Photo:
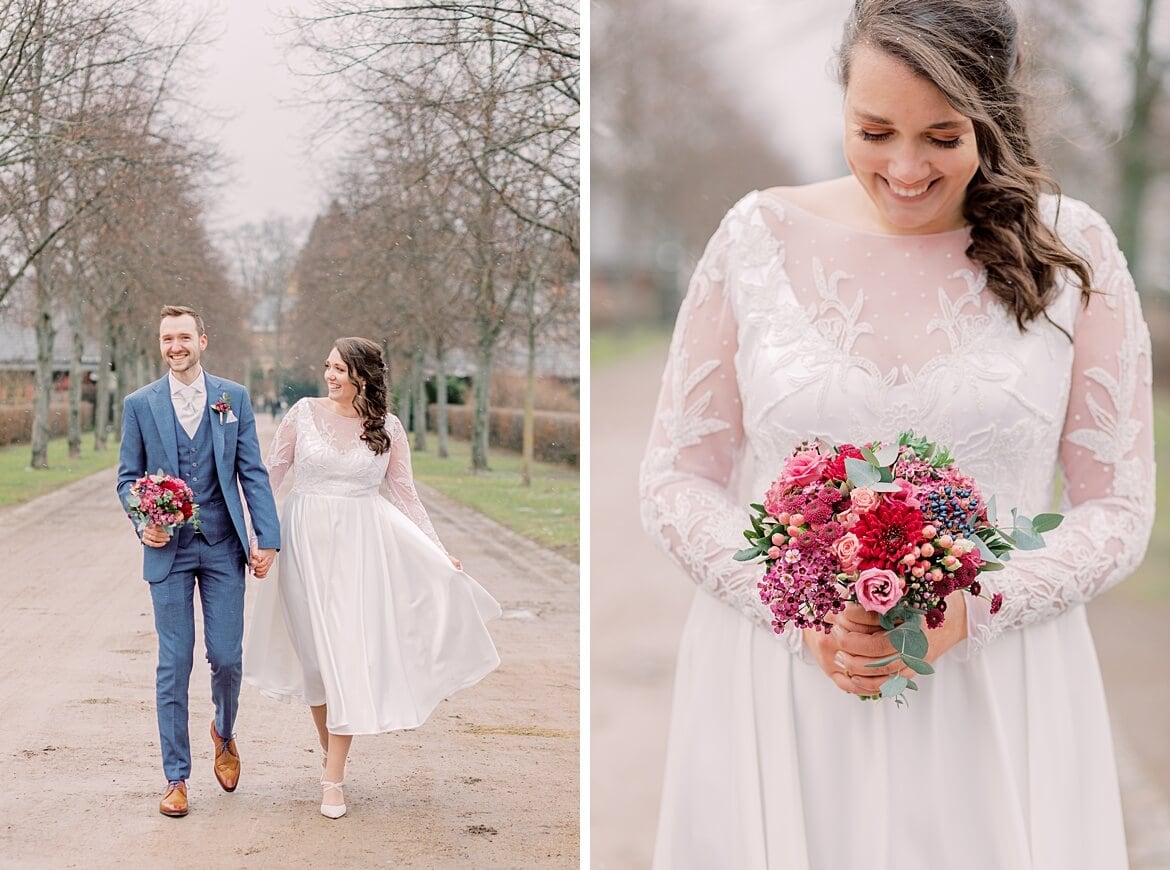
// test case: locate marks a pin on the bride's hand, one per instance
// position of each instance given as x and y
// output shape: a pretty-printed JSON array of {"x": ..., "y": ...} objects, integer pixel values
[
  {"x": 843, "y": 653},
  {"x": 858, "y": 639}
]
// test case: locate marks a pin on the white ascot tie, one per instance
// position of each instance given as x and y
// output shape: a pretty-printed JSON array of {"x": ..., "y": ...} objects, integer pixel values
[{"x": 188, "y": 410}]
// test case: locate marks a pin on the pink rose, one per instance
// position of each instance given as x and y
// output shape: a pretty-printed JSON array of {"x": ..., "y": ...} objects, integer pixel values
[
  {"x": 878, "y": 589},
  {"x": 847, "y": 548},
  {"x": 805, "y": 468},
  {"x": 864, "y": 500},
  {"x": 907, "y": 493}
]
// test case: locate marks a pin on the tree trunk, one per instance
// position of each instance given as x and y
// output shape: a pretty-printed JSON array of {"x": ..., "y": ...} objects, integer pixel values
[
  {"x": 481, "y": 409},
  {"x": 441, "y": 398},
  {"x": 1135, "y": 147},
  {"x": 76, "y": 378},
  {"x": 45, "y": 332},
  {"x": 43, "y": 376},
  {"x": 529, "y": 407},
  {"x": 101, "y": 404},
  {"x": 76, "y": 349},
  {"x": 122, "y": 361},
  {"x": 420, "y": 401}
]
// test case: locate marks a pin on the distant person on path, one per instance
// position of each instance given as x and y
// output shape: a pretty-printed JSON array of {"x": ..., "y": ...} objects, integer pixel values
[
  {"x": 170, "y": 425},
  {"x": 943, "y": 285},
  {"x": 370, "y": 622}
]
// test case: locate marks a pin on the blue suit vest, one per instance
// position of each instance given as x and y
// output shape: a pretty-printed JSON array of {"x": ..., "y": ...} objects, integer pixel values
[{"x": 197, "y": 468}]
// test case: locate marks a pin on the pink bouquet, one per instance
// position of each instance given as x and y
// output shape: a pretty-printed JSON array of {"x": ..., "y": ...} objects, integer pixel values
[
  {"x": 895, "y": 528},
  {"x": 162, "y": 500}
]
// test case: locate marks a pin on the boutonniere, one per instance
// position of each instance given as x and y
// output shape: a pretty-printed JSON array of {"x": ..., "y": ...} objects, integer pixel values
[{"x": 223, "y": 407}]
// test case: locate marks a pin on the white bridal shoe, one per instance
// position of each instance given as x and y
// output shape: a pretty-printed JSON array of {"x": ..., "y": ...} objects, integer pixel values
[{"x": 332, "y": 811}]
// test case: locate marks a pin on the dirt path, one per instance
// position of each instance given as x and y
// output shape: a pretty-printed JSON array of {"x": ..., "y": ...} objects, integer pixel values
[
  {"x": 639, "y": 600},
  {"x": 490, "y": 781}
]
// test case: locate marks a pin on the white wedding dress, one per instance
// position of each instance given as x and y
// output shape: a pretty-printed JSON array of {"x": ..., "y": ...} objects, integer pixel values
[
  {"x": 364, "y": 611},
  {"x": 797, "y": 326}
]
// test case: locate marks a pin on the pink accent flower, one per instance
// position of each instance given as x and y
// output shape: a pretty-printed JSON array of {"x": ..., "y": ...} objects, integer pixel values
[
  {"x": 804, "y": 468},
  {"x": 878, "y": 589},
  {"x": 864, "y": 500},
  {"x": 906, "y": 494},
  {"x": 847, "y": 548}
]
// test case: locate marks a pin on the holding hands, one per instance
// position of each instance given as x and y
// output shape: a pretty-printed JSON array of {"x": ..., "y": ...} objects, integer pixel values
[
  {"x": 857, "y": 639},
  {"x": 261, "y": 561}
]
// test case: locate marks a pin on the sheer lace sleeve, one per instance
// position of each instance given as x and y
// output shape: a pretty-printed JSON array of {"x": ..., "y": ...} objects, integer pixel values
[
  {"x": 1107, "y": 457},
  {"x": 282, "y": 451},
  {"x": 697, "y": 439},
  {"x": 400, "y": 481}
]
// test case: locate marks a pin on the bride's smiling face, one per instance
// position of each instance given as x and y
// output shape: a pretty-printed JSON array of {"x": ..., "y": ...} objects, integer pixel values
[
  {"x": 913, "y": 153},
  {"x": 337, "y": 380}
]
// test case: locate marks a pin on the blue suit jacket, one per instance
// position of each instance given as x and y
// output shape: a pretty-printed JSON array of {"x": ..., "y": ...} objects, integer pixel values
[{"x": 149, "y": 443}]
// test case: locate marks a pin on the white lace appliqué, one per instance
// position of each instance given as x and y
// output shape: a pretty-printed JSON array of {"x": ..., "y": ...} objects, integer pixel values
[{"x": 327, "y": 457}]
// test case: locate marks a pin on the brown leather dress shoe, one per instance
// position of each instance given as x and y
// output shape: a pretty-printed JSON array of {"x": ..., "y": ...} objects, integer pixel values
[
  {"x": 227, "y": 761},
  {"x": 174, "y": 802}
]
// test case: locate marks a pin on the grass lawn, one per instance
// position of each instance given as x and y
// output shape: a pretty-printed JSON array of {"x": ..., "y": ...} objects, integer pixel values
[
  {"x": 1150, "y": 582},
  {"x": 547, "y": 512},
  {"x": 19, "y": 482},
  {"x": 613, "y": 345}
]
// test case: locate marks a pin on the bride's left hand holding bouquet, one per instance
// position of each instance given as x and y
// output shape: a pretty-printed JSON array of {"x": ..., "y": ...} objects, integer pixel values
[{"x": 161, "y": 500}]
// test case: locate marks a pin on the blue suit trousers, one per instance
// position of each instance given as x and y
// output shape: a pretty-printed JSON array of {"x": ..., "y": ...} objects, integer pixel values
[{"x": 218, "y": 572}]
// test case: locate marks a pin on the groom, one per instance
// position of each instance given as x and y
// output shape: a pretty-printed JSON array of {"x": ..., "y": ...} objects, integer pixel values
[{"x": 174, "y": 424}]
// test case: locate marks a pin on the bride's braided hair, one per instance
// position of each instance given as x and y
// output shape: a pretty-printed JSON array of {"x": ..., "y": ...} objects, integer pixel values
[
  {"x": 367, "y": 372},
  {"x": 969, "y": 50}
]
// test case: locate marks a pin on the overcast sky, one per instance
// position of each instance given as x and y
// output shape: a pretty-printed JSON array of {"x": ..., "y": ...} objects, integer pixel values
[{"x": 264, "y": 134}]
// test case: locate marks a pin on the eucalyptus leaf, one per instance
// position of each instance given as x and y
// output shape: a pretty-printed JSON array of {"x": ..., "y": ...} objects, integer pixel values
[
  {"x": 894, "y": 686},
  {"x": 1026, "y": 540},
  {"x": 985, "y": 553},
  {"x": 887, "y": 455},
  {"x": 869, "y": 455},
  {"x": 991, "y": 566},
  {"x": 884, "y": 486},
  {"x": 861, "y": 473},
  {"x": 1047, "y": 522},
  {"x": 991, "y": 514},
  {"x": 747, "y": 555},
  {"x": 910, "y": 642},
  {"x": 881, "y": 663},
  {"x": 919, "y": 666}
]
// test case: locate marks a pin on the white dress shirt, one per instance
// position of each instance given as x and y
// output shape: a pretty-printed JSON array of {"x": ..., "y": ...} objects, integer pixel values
[{"x": 190, "y": 401}]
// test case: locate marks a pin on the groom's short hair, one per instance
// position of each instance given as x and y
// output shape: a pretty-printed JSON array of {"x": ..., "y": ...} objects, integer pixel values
[{"x": 179, "y": 311}]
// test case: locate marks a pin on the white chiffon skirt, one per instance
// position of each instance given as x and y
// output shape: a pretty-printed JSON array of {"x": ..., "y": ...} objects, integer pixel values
[
  {"x": 364, "y": 613},
  {"x": 1002, "y": 761}
]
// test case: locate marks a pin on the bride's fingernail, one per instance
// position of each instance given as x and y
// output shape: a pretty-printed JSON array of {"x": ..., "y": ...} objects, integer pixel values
[{"x": 839, "y": 661}]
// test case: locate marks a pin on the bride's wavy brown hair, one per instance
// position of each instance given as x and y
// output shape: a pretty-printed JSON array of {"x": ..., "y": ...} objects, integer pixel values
[
  {"x": 367, "y": 372},
  {"x": 969, "y": 50}
]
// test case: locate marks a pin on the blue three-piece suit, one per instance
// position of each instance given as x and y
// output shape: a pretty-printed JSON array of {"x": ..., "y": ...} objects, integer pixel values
[{"x": 221, "y": 458}]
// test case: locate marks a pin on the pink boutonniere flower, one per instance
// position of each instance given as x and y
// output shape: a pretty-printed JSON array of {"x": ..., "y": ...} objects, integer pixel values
[{"x": 223, "y": 407}]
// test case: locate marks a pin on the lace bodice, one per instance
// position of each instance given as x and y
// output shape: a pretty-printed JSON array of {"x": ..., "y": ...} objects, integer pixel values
[
  {"x": 328, "y": 457},
  {"x": 797, "y": 326}
]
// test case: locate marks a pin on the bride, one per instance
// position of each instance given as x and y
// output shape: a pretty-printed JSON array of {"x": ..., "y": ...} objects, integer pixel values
[
  {"x": 933, "y": 288},
  {"x": 370, "y": 622}
]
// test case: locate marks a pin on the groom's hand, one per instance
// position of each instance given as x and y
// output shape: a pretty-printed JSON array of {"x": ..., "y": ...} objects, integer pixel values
[
  {"x": 155, "y": 536},
  {"x": 261, "y": 562}
]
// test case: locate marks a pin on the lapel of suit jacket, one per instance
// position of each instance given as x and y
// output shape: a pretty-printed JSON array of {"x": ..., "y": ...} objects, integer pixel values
[
  {"x": 215, "y": 389},
  {"x": 164, "y": 417}
]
